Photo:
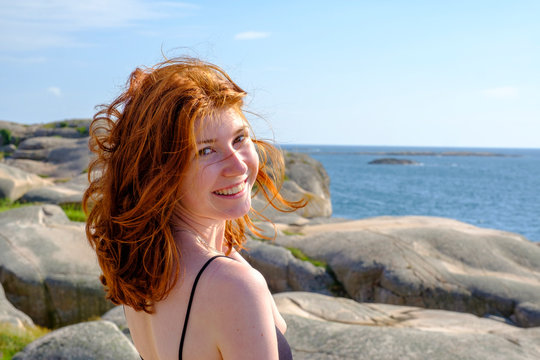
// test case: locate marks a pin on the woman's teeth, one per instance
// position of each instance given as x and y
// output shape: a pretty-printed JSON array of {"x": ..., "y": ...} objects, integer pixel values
[{"x": 231, "y": 191}]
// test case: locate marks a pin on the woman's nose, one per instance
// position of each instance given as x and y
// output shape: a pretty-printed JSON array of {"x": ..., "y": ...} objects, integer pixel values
[{"x": 234, "y": 164}]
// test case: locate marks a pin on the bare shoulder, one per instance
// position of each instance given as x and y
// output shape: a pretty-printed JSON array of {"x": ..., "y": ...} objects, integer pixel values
[
  {"x": 230, "y": 277},
  {"x": 241, "y": 310}
]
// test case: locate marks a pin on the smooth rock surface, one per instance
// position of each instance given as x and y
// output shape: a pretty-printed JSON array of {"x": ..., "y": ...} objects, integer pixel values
[
  {"x": 65, "y": 157},
  {"x": 429, "y": 262},
  {"x": 15, "y": 182},
  {"x": 85, "y": 341},
  {"x": 322, "y": 327},
  {"x": 47, "y": 268},
  {"x": 10, "y": 314},
  {"x": 69, "y": 192},
  {"x": 284, "y": 272},
  {"x": 305, "y": 178}
]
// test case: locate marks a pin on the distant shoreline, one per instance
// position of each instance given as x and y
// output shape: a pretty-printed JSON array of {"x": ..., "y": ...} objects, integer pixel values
[{"x": 417, "y": 153}]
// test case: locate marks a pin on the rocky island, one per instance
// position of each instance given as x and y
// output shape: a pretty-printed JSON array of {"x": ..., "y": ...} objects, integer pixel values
[
  {"x": 381, "y": 288},
  {"x": 392, "y": 161}
]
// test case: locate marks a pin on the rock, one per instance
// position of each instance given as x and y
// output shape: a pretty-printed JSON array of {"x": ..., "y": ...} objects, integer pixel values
[
  {"x": 429, "y": 262},
  {"x": 116, "y": 316},
  {"x": 9, "y": 314},
  {"x": 14, "y": 182},
  {"x": 47, "y": 268},
  {"x": 305, "y": 178},
  {"x": 527, "y": 314},
  {"x": 392, "y": 161},
  {"x": 69, "y": 157},
  {"x": 322, "y": 327},
  {"x": 69, "y": 192},
  {"x": 284, "y": 272},
  {"x": 74, "y": 128},
  {"x": 8, "y": 149},
  {"x": 89, "y": 340}
]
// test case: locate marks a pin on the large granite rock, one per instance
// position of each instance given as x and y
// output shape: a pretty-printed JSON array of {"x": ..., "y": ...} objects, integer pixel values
[
  {"x": 47, "y": 268},
  {"x": 69, "y": 192},
  {"x": 65, "y": 157},
  {"x": 284, "y": 272},
  {"x": 73, "y": 128},
  {"x": 85, "y": 341},
  {"x": 15, "y": 182},
  {"x": 322, "y": 327},
  {"x": 11, "y": 315},
  {"x": 305, "y": 178},
  {"x": 430, "y": 262}
]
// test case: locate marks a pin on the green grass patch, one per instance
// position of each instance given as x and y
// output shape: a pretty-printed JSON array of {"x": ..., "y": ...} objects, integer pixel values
[
  {"x": 6, "y": 204},
  {"x": 297, "y": 253},
  {"x": 82, "y": 130},
  {"x": 291, "y": 233},
  {"x": 74, "y": 212},
  {"x": 13, "y": 339}
]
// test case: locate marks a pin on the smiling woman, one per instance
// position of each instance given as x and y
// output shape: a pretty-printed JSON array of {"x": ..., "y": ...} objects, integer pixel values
[{"x": 169, "y": 197}]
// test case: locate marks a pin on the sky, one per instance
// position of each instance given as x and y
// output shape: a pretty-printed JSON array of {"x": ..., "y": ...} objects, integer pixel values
[{"x": 380, "y": 72}]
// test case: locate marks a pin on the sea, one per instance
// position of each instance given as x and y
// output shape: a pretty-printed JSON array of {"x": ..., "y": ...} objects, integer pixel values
[{"x": 499, "y": 192}]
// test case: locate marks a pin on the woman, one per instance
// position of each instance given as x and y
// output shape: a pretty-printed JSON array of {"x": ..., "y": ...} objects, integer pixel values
[{"x": 168, "y": 202}]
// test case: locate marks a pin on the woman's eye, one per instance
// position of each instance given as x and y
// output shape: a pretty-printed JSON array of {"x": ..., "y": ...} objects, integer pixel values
[
  {"x": 239, "y": 139},
  {"x": 205, "y": 151}
]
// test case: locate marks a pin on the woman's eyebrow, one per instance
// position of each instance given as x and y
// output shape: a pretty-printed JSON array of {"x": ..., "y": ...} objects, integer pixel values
[{"x": 241, "y": 130}]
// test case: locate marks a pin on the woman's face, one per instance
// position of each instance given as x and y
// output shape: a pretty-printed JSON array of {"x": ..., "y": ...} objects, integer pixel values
[{"x": 221, "y": 174}]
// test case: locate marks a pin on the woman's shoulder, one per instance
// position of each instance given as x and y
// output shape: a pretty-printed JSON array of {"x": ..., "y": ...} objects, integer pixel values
[
  {"x": 228, "y": 275},
  {"x": 240, "y": 306}
]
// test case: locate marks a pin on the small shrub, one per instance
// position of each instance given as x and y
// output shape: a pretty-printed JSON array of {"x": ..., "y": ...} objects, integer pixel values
[
  {"x": 5, "y": 135},
  {"x": 82, "y": 130},
  {"x": 74, "y": 212},
  {"x": 63, "y": 124},
  {"x": 13, "y": 339}
]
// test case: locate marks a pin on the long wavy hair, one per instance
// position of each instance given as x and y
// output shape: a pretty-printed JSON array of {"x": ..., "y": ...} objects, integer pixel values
[{"x": 143, "y": 142}]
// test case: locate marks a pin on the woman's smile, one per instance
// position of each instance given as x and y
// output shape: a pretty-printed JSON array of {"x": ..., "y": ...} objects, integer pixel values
[{"x": 232, "y": 191}]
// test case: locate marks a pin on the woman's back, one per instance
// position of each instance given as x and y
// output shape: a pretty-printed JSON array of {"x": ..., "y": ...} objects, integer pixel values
[{"x": 231, "y": 315}]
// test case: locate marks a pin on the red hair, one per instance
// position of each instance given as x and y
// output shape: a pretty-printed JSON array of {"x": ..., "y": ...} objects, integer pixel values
[{"x": 143, "y": 141}]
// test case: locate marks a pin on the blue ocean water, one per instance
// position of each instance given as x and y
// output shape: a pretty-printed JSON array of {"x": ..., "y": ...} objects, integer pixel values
[{"x": 493, "y": 192}]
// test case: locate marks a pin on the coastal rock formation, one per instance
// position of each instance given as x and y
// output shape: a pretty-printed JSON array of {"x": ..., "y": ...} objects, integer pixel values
[
  {"x": 69, "y": 192},
  {"x": 392, "y": 161},
  {"x": 15, "y": 182},
  {"x": 305, "y": 178},
  {"x": 322, "y": 327},
  {"x": 89, "y": 340},
  {"x": 64, "y": 157},
  {"x": 16, "y": 133},
  {"x": 430, "y": 262},
  {"x": 47, "y": 268},
  {"x": 283, "y": 272},
  {"x": 11, "y": 315}
]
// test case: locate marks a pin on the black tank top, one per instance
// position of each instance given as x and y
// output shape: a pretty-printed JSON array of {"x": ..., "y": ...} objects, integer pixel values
[{"x": 284, "y": 349}]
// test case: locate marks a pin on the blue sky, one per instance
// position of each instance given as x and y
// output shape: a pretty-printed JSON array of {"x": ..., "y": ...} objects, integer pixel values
[{"x": 411, "y": 73}]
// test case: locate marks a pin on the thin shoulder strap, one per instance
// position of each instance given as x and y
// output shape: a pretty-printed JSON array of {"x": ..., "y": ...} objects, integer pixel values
[{"x": 190, "y": 301}]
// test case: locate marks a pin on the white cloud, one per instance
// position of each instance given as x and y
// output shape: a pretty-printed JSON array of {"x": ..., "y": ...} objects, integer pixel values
[
  {"x": 501, "y": 92},
  {"x": 35, "y": 24},
  {"x": 55, "y": 91},
  {"x": 251, "y": 35}
]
